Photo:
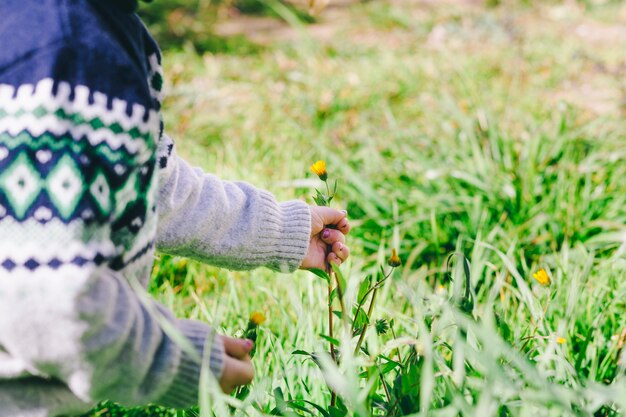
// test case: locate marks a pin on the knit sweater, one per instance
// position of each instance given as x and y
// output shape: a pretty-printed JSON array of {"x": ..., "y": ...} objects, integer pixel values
[{"x": 89, "y": 186}]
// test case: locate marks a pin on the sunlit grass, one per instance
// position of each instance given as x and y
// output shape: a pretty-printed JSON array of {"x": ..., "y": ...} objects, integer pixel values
[{"x": 453, "y": 143}]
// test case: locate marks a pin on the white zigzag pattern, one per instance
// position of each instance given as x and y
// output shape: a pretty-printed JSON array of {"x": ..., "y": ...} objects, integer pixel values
[{"x": 29, "y": 97}]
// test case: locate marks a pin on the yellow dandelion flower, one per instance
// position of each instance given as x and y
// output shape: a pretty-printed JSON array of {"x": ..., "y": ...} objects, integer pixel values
[
  {"x": 542, "y": 277},
  {"x": 394, "y": 259},
  {"x": 560, "y": 340},
  {"x": 257, "y": 318},
  {"x": 319, "y": 168}
]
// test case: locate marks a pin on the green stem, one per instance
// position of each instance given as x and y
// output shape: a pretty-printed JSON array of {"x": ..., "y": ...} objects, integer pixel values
[
  {"x": 369, "y": 314},
  {"x": 333, "y": 396},
  {"x": 362, "y": 300},
  {"x": 382, "y": 380},
  {"x": 344, "y": 317},
  {"x": 393, "y": 333},
  {"x": 370, "y": 309}
]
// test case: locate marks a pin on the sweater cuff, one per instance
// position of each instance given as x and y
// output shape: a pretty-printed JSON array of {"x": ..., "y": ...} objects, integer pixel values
[
  {"x": 183, "y": 391},
  {"x": 287, "y": 229}
]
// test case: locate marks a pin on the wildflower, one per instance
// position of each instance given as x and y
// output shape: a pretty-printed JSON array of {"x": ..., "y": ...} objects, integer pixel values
[
  {"x": 382, "y": 326},
  {"x": 394, "y": 259},
  {"x": 251, "y": 333},
  {"x": 257, "y": 318},
  {"x": 560, "y": 340},
  {"x": 542, "y": 277},
  {"x": 319, "y": 168}
]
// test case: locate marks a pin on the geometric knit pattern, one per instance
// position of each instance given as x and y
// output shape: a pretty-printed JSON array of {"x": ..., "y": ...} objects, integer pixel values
[{"x": 71, "y": 155}]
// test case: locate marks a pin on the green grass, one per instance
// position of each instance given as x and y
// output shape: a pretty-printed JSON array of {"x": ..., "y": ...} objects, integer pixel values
[{"x": 471, "y": 142}]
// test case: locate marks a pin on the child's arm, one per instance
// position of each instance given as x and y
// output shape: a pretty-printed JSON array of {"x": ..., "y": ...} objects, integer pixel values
[
  {"x": 87, "y": 328},
  {"x": 229, "y": 224},
  {"x": 238, "y": 226}
]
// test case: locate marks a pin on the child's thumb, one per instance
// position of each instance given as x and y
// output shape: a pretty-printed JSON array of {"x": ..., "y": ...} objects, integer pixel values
[{"x": 330, "y": 216}]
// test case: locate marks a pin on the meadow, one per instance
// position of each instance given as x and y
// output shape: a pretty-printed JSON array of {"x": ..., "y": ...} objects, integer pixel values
[{"x": 485, "y": 143}]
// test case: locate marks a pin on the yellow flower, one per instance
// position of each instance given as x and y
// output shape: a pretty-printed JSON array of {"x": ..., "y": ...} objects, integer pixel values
[
  {"x": 257, "y": 318},
  {"x": 394, "y": 260},
  {"x": 542, "y": 277},
  {"x": 319, "y": 168},
  {"x": 560, "y": 340}
]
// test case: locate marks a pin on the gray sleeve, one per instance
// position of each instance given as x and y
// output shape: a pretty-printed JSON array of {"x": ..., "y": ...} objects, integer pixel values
[
  {"x": 228, "y": 224},
  {"x": 93, "y": 333}
]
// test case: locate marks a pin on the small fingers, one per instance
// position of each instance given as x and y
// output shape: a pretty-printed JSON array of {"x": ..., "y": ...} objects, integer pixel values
[
  {"x": 236, "y": 372},
  {"x": 331, "y": 236},
  {"x": 237, "y": 348},
  {"x": 332, "y": 258},
  {"x": 344, "y": 226},
  {"x": 327, "y": 215},
  {"x": 341, "y": 250},
  {"x": 322, "y": 217}
]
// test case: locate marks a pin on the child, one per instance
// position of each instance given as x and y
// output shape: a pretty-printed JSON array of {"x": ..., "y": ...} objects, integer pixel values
[{"x": 90, "y": 185}]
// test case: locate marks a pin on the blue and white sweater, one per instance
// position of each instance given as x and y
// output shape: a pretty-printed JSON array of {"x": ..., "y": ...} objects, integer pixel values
[{"x": 89, "y": 187}]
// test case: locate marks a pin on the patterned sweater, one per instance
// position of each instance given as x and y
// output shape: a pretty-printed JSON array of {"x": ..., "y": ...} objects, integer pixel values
[{"x": 89, "y": 186}]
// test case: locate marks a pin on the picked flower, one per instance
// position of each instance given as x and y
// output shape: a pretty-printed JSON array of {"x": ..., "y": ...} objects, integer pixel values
[
  {"x": 319, "y": 169},
  {"x": 394, "y": 260},
  {"x": 257, "y": 318},
  {"x": 251, "y": 333},
  {"x": 542, "y": 277}
]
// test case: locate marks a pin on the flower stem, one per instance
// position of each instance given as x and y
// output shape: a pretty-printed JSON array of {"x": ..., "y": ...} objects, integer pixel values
[
  {"x": 344, "y": 317},
  {"x": 330, "y": 319},
  {"x": 333, "y": 396}
]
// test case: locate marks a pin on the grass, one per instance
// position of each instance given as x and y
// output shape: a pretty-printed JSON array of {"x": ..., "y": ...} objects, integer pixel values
[{"x": 452, "y": 130}]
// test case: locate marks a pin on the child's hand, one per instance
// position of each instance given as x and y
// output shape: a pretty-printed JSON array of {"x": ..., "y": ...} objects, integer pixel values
[
  {"x": 238, "y": 369},
  {"x": 328, "y": 242}
]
